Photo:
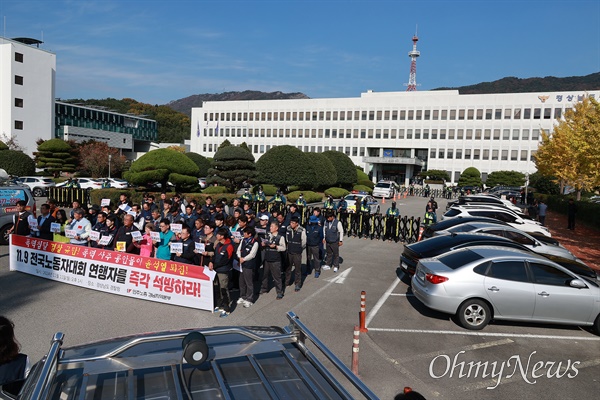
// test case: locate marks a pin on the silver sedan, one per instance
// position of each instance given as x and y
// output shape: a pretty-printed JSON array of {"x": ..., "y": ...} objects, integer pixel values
[{"x": 480, "y": 283}]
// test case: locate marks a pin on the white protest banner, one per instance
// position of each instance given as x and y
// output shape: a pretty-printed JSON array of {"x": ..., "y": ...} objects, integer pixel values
[
  {"x": 136, "y": 235},
  {"x": 104, "y": 202},
  {"x": 200, "y": 247},
  {"x": 95, "y": 236},
  {"x": 33, "y": 225},
  {"x": 124, "y": 207},
  {"x": 176, "y": 228},
  {"x": 236, "y": 234},
  {"x": 176, "y": 247},
  {"x": 132, "y": 213},
  {"x": 70, "y": 233},
  {"x": 116, "y": 273},
  {"x": 55, "y": 227},
  {"x": 155, "y": 236},
  {"x": 105, "y": 240}
]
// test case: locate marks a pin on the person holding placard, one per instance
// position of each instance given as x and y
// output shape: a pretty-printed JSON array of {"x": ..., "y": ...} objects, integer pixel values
[
  {"x": 186, "y": 255},
  {"x": 145, "y": 245},
  {"x": 125, "y": 236},
  {"x": 21, "y": 220},
  {"x": 222, "y": 264},
  {"x": 58, "y": 227},
  {"x": 163, "y": 250},
  {"x": 79, "y": 229},
  {"x": 209, "y": 240}
]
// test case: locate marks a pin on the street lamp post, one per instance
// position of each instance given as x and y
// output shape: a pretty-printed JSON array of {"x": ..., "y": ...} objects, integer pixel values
[{"x": 109, "y": 158}]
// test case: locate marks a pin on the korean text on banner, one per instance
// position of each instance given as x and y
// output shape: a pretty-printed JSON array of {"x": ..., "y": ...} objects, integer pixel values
[{"x": 114, "y": 272}]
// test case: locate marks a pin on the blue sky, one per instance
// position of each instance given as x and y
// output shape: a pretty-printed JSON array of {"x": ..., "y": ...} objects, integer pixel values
[{"x": 159, "y": 51}]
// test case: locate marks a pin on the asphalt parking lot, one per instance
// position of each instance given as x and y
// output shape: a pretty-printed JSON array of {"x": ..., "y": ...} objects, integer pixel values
[{"x": 406, "y": 345}]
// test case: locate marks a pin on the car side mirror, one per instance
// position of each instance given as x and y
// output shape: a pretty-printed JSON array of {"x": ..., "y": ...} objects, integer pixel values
[{"x": 578, "y": 283}]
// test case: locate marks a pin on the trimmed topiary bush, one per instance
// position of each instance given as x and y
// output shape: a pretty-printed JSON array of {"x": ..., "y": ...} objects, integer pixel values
[
  {"x": 16, "y": 163},
  {"x": 309, "y": 196},
  {"x": 361, "y": 176},
  {"x": 163, "y": 165},
  {"x": 202, "y": 162},
  {"x": 336, "y": 193},
  {"x": 346, "y": 171},
  {"x": 215, "y": 190},
  {"x": 362, "y": 188},
  {"x": 232, "y": 166},
  {"x": 284, "y": 166},
  {"x": 366, "y": 182},
  {"x": 324, "y": 173}
]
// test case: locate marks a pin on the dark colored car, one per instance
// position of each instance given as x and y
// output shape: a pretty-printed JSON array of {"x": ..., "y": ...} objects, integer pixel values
[
  {"x": 442, "y": 244},
  {"x": 250, "y": 362},
  {"x": 449, "y": 223}
]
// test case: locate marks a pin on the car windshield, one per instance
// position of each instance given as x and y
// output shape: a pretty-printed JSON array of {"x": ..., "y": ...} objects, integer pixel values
[
  {"x": 384, "y": 185},
  {"x": 457, "y": 259}
]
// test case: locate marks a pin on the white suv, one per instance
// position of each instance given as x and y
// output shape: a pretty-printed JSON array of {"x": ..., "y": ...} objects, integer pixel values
[
  {"x": 37, "y": 184},
  {"x": 385, "y": 189}
]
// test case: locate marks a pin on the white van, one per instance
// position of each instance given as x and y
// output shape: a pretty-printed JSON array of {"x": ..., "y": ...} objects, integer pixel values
[{"x": 385, "y": 189}]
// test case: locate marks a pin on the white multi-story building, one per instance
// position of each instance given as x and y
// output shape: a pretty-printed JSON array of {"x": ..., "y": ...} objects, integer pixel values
[
  {"x": 394, "y": 135},
  {"x": 27, "y": 77}
]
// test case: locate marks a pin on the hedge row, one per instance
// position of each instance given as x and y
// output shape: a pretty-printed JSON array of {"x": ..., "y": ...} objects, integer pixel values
[{"x": 587, "y": 213}]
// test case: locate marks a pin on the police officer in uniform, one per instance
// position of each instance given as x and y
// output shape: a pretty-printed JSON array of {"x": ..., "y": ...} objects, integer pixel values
[{"x": 391, "y": 222}]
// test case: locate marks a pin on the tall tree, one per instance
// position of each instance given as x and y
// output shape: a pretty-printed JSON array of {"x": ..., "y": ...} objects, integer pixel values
[
  {"x": 94, "y": 158},
  {"x": 572, "y": 152}
]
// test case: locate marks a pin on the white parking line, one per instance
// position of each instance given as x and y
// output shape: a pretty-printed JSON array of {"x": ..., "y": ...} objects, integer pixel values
[
  {"x": 380, "y": 302},
  {"x": 477, "y": 346},
  {"x": 401, "y": 294},
  {"x": 484, "y": 334}
]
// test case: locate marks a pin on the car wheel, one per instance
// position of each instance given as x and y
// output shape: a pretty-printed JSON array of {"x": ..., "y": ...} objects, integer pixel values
[
  {"x": 38, "y": 192},
  {"x": 596, "y": 326},
  {"x": 474, "y": 314},
  {"x": 4, "y": 234}
]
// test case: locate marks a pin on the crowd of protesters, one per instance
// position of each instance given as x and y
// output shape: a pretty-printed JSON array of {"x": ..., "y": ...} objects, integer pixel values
[{"x": 250, "y": 251}]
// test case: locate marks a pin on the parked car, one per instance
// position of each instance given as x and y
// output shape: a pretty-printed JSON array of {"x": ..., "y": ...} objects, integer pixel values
[
  {"x": 437, "y": 245},
  {"x": 116, "y": 183},
  {"x": 576, "y": 266},
  {"x": 202, "y": 183},
  {"x": 530, "y": 241},
  {"x": 37, "y": 184},
  {"x": 9, "y": 195},
  {"x": 517, "y": 221},
  {"x": 479, "y": 284},
  {"x": 431, "y": 230},
  {"x": 483, "y": 199},
  {"x": 385, "y": 189},
  {"x": 209, "y": 363},
  {"x": 371, "y": 201},
  {"x": 85, "y": 183}
]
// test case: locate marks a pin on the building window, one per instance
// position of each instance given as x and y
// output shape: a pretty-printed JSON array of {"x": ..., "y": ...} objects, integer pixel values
[
  {"x": 451, "y": 134},
  {"x": 486, "y": 154},
  {"x": 504, "y": 155},
  {"x": 434, "y": 134},
  {"x": 450, "y": 154},
  {"x": 362, "y": 151},
  {"x": 525, "y": 135},
  {"x": 547, "y": 113},
  {"x": 19, "y": 81},
  {"x": 557, "y": 112},
  {"x": 395, "y": 115},
  {"x": 425, "y": 133},
  {"x": 476, "y": 154},
  {"x": 444, "y": 115},
  {"x": 506, "y": 134},
  {"x": 469, "y": 134},
  {"x": 19, "y": 57},
  {"x": 494, "y": 154},
  {"x": 487, "y": 134},
  {"x": 480, "y": 114},
  {"x": 488, "y": 114},
  {"x": 523, "y": 155},
  {"x": 417, "y": 134},
  {"x": 354, "y": 151},
  {"x": 515, "y": 134},
  {"x": 18, "y": 102},
  {"x": 343, "y": 115},
  {"x": 537, "y": 113},
  {"x": 411, "y": 115},
  {"x": 535, "y": 134},
  {"x": 436, "y": 115},
  {"x": 477, "y": 134},
  {"x": 467, "y": 154},
  {"x": 470, "y": 114},
  {"x": 517, "y": 114},
  {"x": 370, "y": 133},
  {"x": 461, "y": 114},
  {"x": 377, "y": 133},
  {"x": 532, "y": 155},
  {"x": 400, "y": 133},
  {"x": 386, "y": 133},
  {"x": 527, "y": 113},
  {"x": 363, "y": 134},
  {"x": 459, "y": 154},
  {"x": 379, "y": 115},
  {"x": 409, "y": 133},
  {"x": 419, "y": 115},
  {"x": 432, "y": 153},
  {"x": 441, "y": 153},
  {"x": 19, "y": 125},
  {"x": 514, "y": 155},
  {"x": 460, "y": 134},
  {"x": 442, "y": 134}
]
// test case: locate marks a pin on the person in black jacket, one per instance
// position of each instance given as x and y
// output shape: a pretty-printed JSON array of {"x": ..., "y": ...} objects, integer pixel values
[
  {"x": 222, "y": 264},
  {"x": 21, "y": 220},
  {"x": 124, "y": 235},
  {"x": 187, "y": 255},
  {"x": 44, "y": 221},
  {"x": 247, "y": 253},
  {"x": 14, "y": 366}
]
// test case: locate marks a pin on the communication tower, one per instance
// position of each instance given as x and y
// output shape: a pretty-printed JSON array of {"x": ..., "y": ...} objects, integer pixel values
[{"x": 413, "y": 54}]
